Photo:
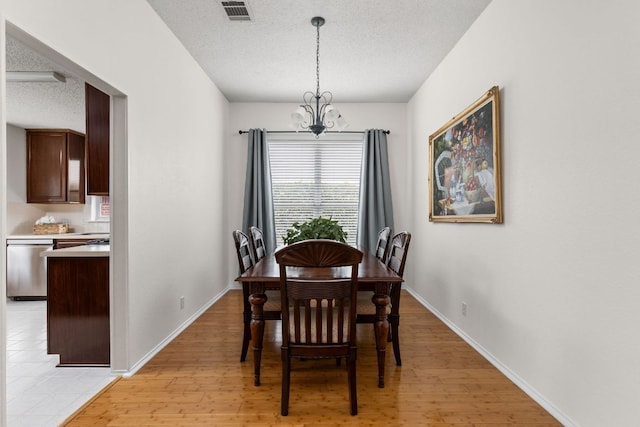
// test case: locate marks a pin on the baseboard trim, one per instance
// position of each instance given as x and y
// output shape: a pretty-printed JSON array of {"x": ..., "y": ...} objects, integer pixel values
[
  {"x": 151, "y": 354},
  {"x": 523, "y": 385}
]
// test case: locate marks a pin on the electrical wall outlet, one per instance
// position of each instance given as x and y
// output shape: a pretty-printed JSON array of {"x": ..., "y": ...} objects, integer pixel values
[
  {"x": 181, "y": 303},
  {"x": 464, "y": 308}
]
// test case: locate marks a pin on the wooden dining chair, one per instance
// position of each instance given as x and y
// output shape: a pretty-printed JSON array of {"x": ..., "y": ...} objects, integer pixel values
[
  {"x": 271, "y": 309},
  {"x": 257, "y": 243},
  {"x": 398, "y": 248},
  {"x": 382, "y": 245},
  {"x": 397, "y": 258},
  {"x": 318, "y": 310}
]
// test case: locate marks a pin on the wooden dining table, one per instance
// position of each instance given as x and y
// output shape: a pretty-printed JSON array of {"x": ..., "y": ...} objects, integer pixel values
[{"x": 373, "y": 275}]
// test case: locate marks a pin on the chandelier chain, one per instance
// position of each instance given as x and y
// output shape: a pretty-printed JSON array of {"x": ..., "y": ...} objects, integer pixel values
[{"x": 318, "y": 60}]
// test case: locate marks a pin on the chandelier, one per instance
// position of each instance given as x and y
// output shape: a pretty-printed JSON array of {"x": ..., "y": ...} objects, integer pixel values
[{"x": 317, "y": 114}]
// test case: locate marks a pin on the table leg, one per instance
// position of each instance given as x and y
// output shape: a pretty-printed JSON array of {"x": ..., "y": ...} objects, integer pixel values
[
  {"x": 246, "y": 318},
  {"x": 257, "y": 301},
  {"x": 394, "y": 319},
  {"x": 381, "y": 326}
]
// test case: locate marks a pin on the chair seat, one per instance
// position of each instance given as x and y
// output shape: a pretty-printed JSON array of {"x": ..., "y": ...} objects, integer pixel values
[
  {"x": 365, "y": 306},
  {"x": 273, "y": 302}
]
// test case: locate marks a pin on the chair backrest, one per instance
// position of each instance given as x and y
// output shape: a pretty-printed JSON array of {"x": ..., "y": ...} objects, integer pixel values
[
  {"x": 243, "y": 250},
  {"x": 398, "y": 249},
  {"x": 307, "y": 282},
  {"x": 382, "y": 246},
  {"x": 257, "y": 243}
]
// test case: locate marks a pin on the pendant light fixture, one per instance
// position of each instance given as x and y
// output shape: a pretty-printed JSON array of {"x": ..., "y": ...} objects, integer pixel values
[{"x": 317, "y": 114}]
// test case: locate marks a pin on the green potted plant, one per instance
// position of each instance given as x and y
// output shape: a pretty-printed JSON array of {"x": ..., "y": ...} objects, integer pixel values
[{"x": 316, "y": 228}]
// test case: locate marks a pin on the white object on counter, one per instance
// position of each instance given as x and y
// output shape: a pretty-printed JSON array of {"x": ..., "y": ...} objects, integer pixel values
[{"x": 47, "y": 219}]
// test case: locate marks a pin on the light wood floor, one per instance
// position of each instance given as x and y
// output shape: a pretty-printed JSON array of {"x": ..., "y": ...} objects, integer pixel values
[{"x": 198, "y": 380}]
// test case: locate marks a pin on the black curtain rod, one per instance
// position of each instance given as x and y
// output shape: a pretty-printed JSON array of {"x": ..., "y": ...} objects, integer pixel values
[{"x": 240, "y": 132}]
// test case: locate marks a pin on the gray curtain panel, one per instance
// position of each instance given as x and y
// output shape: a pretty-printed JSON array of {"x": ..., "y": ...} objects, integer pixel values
[
  {"x": 375, "y": 209},
  {"x": 258, "y": 197}
]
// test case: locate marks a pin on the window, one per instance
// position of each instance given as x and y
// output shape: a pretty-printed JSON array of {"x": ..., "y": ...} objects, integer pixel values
[
  {"x": 100, "y": 208},
  {"x": 315, "y": 177}
]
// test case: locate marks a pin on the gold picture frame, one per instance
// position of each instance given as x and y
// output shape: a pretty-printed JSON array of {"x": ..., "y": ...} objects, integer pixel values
[{"x": 464, "y": 175}]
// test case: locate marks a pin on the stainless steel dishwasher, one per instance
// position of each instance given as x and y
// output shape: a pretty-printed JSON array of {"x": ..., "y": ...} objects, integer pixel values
[{"x": 26, "y": 269}]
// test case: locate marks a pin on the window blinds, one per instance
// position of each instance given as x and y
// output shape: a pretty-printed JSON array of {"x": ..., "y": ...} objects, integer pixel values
[{"x": 315, "y": 177}]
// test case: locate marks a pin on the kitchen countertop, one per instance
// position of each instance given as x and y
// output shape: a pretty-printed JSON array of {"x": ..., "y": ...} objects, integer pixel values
[
  {"x": 88, "y": 236},
  {"x": 79, "y": 251}
]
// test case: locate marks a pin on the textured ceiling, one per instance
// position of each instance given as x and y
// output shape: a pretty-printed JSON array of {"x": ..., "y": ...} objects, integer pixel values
[
  {"x": 42, "y": 105},
  {"x": 370, "y": 50}
]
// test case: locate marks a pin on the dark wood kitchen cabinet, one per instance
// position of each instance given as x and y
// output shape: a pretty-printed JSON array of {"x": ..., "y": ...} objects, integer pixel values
[
  {"x": 78, "y": 310},
  {"x": 55, "y": 166},
  {"x": 98, "y": 105}
]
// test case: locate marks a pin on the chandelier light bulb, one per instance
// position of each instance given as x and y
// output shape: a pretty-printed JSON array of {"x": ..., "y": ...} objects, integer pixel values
[
  {"x": 298, "y": 115},
  {"x": 341, "y": 123},
  {"x": 331, "y": 113}
]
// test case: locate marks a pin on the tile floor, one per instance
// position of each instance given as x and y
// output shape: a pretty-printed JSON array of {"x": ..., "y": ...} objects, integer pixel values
[{"x": 39, "y": 394}]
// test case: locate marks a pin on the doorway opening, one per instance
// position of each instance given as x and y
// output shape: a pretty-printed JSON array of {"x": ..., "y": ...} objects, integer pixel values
[{"x": 118, "y": 185}]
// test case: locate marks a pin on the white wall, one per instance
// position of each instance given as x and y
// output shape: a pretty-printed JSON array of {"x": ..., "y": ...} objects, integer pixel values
[
  {"x": 275, "y": 116},
  {"x": 176, "y": 122},
  {"x": 552, "y": 293}
]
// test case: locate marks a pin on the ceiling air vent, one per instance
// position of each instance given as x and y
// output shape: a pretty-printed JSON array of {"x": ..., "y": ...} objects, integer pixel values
[{"x": 236, "y": 10}]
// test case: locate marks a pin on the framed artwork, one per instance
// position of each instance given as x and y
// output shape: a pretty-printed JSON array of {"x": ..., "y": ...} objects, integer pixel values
[{"x": 464, "y": 174}]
